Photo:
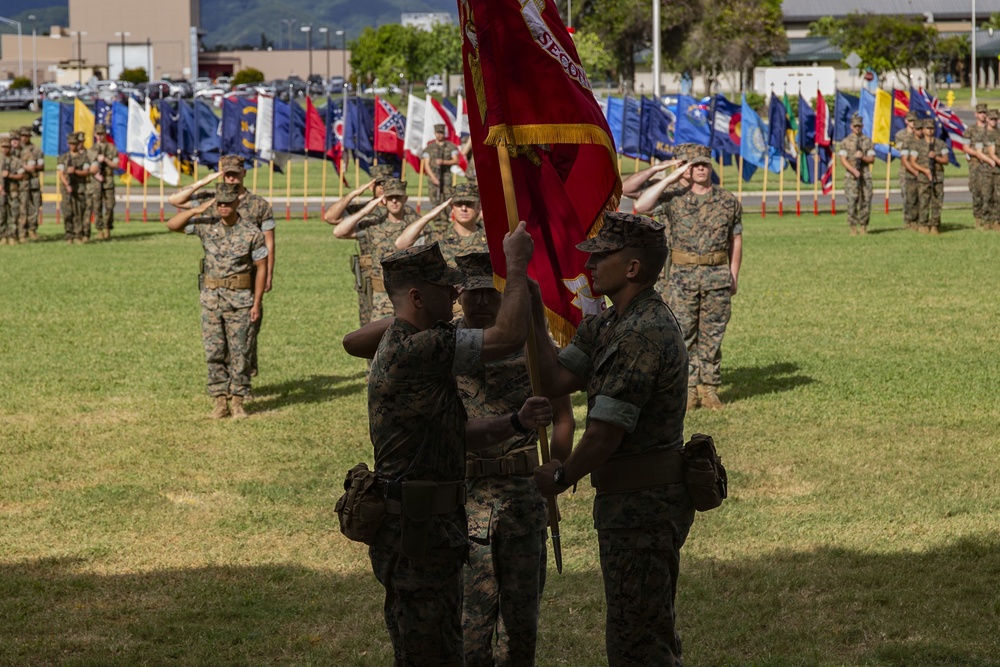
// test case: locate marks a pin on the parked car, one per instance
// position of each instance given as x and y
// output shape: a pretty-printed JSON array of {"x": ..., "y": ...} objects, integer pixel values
[
  {"x": 21, "y": 98},
  {"x": 224, "y": 82},
  {"x": 378, "y": 89},
  {"x": 157, "y": 90},
  {"x": 212, "y": 94},
  {"x": 435, "y": 84},
  {"x": 201, "y": 83}
]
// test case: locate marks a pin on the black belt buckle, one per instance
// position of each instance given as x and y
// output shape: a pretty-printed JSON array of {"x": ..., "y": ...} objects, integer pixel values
[{"x": 392, "y": 490}]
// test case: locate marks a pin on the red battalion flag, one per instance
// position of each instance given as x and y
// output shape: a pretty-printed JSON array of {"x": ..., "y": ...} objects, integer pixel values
[
  {"x": 315, "y": 139},
  {"x": 526, "y": 90},
  {"x": 390, "y": 128}
]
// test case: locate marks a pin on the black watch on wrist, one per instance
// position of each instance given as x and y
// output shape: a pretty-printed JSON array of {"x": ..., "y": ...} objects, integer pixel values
[{"x": 559, "y": 477}]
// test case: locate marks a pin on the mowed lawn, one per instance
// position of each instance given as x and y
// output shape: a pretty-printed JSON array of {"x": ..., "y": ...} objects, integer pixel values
[{"x": 861, "y": 434}]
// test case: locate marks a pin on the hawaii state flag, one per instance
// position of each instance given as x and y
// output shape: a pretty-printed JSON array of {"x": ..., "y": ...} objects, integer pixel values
[
  {"x": 390, "y": 128},
  {"x": 528, "y": 94}
]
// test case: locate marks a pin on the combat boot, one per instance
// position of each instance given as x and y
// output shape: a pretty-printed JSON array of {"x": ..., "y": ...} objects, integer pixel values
[
  {"x": 934, "y": 231},
  {"x": 862, "y": 230},
  {"x": 33, "y": 235},
  {"x": 237, "y": 408},
  {"x": 221, "y": 408},
  {"x": 693, "y": 400},
  {"x": 854, "y": 230},
  {"x": 709, "y": 395}
]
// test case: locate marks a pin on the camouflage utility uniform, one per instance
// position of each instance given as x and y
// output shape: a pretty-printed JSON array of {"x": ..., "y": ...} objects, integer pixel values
[
  {"x": 507, "y": 522},
  {"x": 376, "y": 236},
  {"x": 635, "y": 367},
  {"x": 417, "y": 428},
  {"x": 11, "y": 197},
  {"x": 444, "y": 150},
  {"x": 858, "y": 190},
  {"x": 906, "y": 141},
  {"x": 902, "y": 145},
  {"x": 992, "y": 219},
  {"x": 256, "y": 211},
  {"x": 31, "y": 191},
  {"x": 76, "y": 226},
  {"x": 226, "y": 329},
  {"x": 103, "y": 192},
  {"x": 699, "y": 230},
  {"x": 980, "y": 182},
  {"x": 930, "y": 191},
  {"x": 454, "y": 244}
]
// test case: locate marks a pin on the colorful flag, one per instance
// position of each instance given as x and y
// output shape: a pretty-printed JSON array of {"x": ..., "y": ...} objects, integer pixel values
[
  {"x": 264, "y": 135},
  {"x": 613, "y": 109},
  {"x": 119, "y": 130},
  {"x": 143, "y": 145},
  {"x": 169, "y": 126},
  {"x": 657, "y": 125},
  {"x": 390, "y": 128},
  {"x": 529, "y": 95},
  {"x": 777, "y": 136},
  {"x": 54, "y": 130},
  {"x": 239, "y": 126},
  {"x": 289, "y": 127},
  {"x": 631, "y": 132},
  {"x": 209, "y": 134},
  {"x": 754, "y": 147},
  {"x": 436, "y": 114},
  {"x": 844, "y": 107},
  {"x": 83, "y": 121},
  {"x": 726, "y": 118},
  {"x": 692, "y": 122},
  {"x": 806, "y": 140},
  {"x": 823, "y": 121},
  {"x": 315, "y": 131},
  {"x": 359, "y": 130},
  {"x": 413, "y": 135}
]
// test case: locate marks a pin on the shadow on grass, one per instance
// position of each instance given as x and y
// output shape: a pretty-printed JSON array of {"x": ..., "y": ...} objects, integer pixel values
[
  {"x": 826, "y": 607},
  {"x": 315, "y": 389},
  {"x": 747, "y": 381}
]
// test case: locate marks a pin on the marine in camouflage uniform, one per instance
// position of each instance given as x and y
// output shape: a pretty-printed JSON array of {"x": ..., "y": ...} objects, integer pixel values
[
  {"x": 992, "y": 220},
  {"x": 704, "y": 232},
  {"x": 13, "y": 174},
  {"x": 507, "y": 514},
  {"x": 631, "y": 360},
  {"x": 230, "y": 299},
  {"x": 104, "y": 158},
  {"x": 467, "y": 234},
  {"x": 418, "y": 427},
  {"x": 980, "y": 181},
  {"x": 31, "y": 192},
  {"x": 440, "y": 155},
  {"x": 376, "y": 234},
  {"x": 928, "y": 155},
  {"x": 858, "y": 189},
  {"x": 74, "y": 170},
  {"x": 256, "y": 211},
  {"x": 902, "y": 143}
]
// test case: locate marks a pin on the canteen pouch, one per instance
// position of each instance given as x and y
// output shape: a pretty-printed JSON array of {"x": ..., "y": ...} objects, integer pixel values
[
  {"x": 419, "y": 499},
  {"x": 356, "y": 270},
  {"x": 704, "y": 475},
  {"x": 361, "y": 508}
]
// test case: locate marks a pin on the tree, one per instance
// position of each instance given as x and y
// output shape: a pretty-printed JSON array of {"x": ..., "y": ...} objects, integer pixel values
[
  {"x": 134, "y": 75},
  {"x": 595, "y": 58},
  {"x": 21, "y": 82},
  {"x": 884, "y": 43},
  {"x": 735, "y": 35},
  {"x": 950, "y": 53},
  {"x": 248, "y": 75},
  {"x": 625, "y": 28},
  {"x": 385, "y": 53}
]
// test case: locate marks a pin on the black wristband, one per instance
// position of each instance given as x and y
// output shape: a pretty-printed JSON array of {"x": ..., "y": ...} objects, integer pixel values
[{"x": 517, "y": 425}]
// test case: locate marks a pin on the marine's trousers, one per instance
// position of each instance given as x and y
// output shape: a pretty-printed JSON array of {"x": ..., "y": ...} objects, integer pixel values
[
  {"x": 702, "y": 316},
  {"x": 225, "y": 332}
]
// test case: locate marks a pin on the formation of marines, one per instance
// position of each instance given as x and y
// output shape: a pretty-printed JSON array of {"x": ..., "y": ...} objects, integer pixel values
[{"x": 20, "y": 190}]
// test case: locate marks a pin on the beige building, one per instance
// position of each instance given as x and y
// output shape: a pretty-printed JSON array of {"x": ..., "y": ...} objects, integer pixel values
[
  {"x": 278, "y": 64},
  {"x": 43, "y": 53}
]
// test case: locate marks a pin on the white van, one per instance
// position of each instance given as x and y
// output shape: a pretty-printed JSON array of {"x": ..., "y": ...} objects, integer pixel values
[{"x": 435, "y": 84}]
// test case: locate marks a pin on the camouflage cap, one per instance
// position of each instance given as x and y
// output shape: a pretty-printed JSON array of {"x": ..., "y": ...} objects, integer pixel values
[
  {"x": 74, "y": 138},
  {"x": 15, "y": 135},
  {"x": 393, "y": 187},
  {"x": 423, "y": 262},
  {"x": 25, "y": 131},
  {"x": 230, "y": 164},
  {"x": 226, "y": 193},
  {"x": 466, "y": 192},
  {"x": 982, "y": 107},
  {"x": 439, "y": 128},
  {"x": 856, "y": 121},
  {"x": 477, "y": 269},
  {"x": 625, "y": 230},
  {"x": 912, "y": 116},
  {"x": 993, "y": 114},
  {"x": 4, "y": 142},
  {"x": 381, "y": 173},
  {"x": 698, "y": 154},
  {"x": 927, "y": 123},
  {"x": 99, "y": 129}
]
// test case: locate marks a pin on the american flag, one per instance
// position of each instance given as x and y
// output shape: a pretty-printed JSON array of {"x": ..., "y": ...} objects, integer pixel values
[{"x": 953, "y": 129}]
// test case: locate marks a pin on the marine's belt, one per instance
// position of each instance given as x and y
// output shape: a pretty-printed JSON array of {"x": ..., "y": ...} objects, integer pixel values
[
  {"x": 644, "y": 471},
  {"x": 449, "y": 496},
  {"x": 718, "y": 258},
  {"x": 378, "y": 285},
  {"x": 366, "y": 262},
  {"x": 519, "y": 462},
  {"x": 239, "y": 281}
]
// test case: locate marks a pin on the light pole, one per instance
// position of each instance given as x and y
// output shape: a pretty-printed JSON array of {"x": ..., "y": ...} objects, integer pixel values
[
  {"x": 343, "y": 66},
  {"x": 307, "y": 29},
  {"x": 149, "y": 59},
  {"x": 326, "y": 31},
  {"x": 20, "y": 60},
  {"x": 79, "y": 55},
  {"x": 975, "y": 66},
  {"x": 34, "y": 61},
  {"x": 123, "y": 35},
  {"x": 288, "y": 24}
]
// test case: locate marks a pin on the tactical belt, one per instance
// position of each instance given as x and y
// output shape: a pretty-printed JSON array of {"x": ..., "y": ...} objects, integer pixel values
[
  {"x": 378, "y": 285},
  {"x": 634, "y": 473},
  {"x": 239, "y": 281},
  {"x": 449, "y": 497},
  {"x": 719, "y": 258},
  {"x": 365, "y": 261},
  {"x": 519, "y": 462}
]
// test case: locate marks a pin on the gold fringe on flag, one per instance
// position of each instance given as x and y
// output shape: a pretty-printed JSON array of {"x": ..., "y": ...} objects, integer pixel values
[{"x": 562, "y": 330}]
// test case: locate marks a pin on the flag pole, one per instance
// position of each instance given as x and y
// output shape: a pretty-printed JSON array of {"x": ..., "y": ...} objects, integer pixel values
[
  {"x": 145, "y": 191},
  {"x": 798, "y": 185},
  {"x": 270, "y": 180},
  {"x": 833, "y": 187},
  {"x": 739, "y": 181},
  {"x": 510, "y": 201},
  {"x": 305, "y": 187},
  {"x": 59, "y": 201},
  {"x": 322, "y": 205},
  {"x": 340, "y": 176},
  {"x": 781, "y": 189},
  {"x": 161, "y": 195},
  {"x": 256, "y": 166},
  {"x": 888, "y": 169},
  {"x": 288, "y": 185},
  {"x": 722, "y": 172},
  {"x": 763, "y": 195},
  {"x": 420, "y": 184},
  {"x": 816, "y": 179},
  {"x": 128, "y": 196}
]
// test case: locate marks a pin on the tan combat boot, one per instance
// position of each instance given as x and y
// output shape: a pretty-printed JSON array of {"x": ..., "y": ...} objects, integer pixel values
[
  {"x": 238, "y": 411},
  {"x": 934, "y": 231},
  {"x": 862, "y": 230},
  {"x": 221, "y": 410},
  {"x": 709, "y": 395},
  {"x": 33, "y": 235},
  {"x": 693, "y": 400},
  {"x": 854, "y": 231}
]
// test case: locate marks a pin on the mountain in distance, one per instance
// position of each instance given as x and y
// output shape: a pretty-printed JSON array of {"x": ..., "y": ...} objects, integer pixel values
[{"x": 257, "y": 23}]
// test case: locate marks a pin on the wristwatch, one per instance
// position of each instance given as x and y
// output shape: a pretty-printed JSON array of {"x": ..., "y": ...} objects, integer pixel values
[{"x": 559, "y": 477}]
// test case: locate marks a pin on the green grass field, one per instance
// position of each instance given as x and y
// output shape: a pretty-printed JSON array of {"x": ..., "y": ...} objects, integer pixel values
[{"x": 862, "y": 437}]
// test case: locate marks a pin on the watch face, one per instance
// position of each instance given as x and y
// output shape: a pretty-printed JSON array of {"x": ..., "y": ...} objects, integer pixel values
[{"x": 559, "y": 476}]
